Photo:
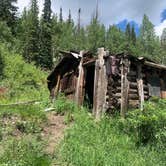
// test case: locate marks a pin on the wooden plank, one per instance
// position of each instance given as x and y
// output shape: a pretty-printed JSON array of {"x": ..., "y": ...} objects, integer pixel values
[
  {"x": 80, "y": 85},
  {"x": 155, "y": 65},
  {"x": 140, "y": 86},
  {"x": 95, "y": 87},
  {"x": 124, "y": 86},
  {"x": 100, "y": 85}
]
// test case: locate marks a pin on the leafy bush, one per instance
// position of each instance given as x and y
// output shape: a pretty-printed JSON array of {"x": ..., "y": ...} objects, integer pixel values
[
  {"x": 22, "y": 80},
  {"x": 149, "y": 125},
  {"x": 24, "y": 152}
]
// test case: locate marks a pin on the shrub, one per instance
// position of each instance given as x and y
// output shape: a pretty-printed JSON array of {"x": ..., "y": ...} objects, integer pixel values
[
  {"x": 148, "y": 126},
  {"x": 23, "y": 80}
]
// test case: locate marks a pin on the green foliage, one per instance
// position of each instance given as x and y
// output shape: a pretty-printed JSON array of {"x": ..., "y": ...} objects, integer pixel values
[
  {"x": 21, "y": 79},
  {"x": 23, "y": 152},
  {"x": 45, "y": 58},
  {"x": 90, "y": 143},
  {"x": 1, "y": 66},
  {"x": 29, "y": 32},
  {"x": 96, "y": 35},
  {"x": 5, "y": 33},
  {"x": 115, "y": 41},
  {"x": 63, "y": 105},
  {"x": 149, "y": 125},
  {"x": 8, "y": 13}
]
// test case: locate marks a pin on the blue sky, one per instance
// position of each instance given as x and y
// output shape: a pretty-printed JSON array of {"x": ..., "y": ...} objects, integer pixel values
[{"x": 111, "y": 11}]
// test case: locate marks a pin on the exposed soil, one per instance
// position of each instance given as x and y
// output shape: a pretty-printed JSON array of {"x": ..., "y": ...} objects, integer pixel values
[{"x": 54, "y": 131}]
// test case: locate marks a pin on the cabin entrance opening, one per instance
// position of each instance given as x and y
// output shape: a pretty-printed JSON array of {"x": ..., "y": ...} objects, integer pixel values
[{"x": 89, "y": 85}]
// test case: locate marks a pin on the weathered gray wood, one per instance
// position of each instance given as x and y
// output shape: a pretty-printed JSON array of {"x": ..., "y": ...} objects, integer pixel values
[
  {"x": 124, "y": 86},
  {"x": 100, "y": 85},
  {"x": 79, "y": 85},
  {"x": 140, "y": 86},
  {"x": 155, "y": 65}
]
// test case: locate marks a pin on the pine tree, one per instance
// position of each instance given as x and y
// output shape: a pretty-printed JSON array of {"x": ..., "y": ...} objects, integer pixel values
[
  {"x": 163, "y": 39},
  {"x": 128, "y": 32},
  {"x": 30, "y": 33},
  {"x": 8, "y": 12},
  {"x": 133, "y": 36},
  {"x": 79, "y": 20},
  {"x": 115, "y": 40},
  {"x": 69, "y": 17},
  {"x": 45, "y": 58},
  {"x": 61, "y": 16},
  {"x": 147, "y": 36},
  {"x": 95, "y": 35}
]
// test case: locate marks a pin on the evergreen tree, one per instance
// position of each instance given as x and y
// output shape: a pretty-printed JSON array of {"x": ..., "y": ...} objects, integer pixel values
[
  {"x": 29, "y": 34},
  {"x": 133, "y": 36},
  {"x": 69, "y": 17},
  {"x": 163, "y": 39},
  {"x": 45, "y": 58},
  {"x": 147, "y": 36},
  {"x": 79, "y": 20},
  {"x": 115, "y": 40},
  {"x": 8, "y": 12},
  {"x": 128, "y": 32},
  {"x": 61, "y": 16},
  {"x": 95, "y": 35}
]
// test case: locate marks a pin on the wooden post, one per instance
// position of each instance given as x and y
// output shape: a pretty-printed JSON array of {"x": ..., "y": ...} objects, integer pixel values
[
  {"x": 100, "y": 85},
  {"x": 54, "y": 91},
  {"x": 79, "y": 85},
  {"x": 124, "y": 86},
  {"x": 140, "y": 86}
]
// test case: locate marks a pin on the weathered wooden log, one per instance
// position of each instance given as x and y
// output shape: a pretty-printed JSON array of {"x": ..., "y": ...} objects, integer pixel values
[
  {"x": 140, "y": 86},
  {"x": 124, "y": 86},
  {"x": 133, "y": 91}
]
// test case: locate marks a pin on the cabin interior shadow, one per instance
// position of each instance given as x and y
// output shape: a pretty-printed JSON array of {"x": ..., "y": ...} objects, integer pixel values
[{"x": 89, "y": 86}]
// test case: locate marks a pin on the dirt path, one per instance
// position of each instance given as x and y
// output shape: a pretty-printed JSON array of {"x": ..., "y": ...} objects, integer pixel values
[{"x": 54, "y": 131}]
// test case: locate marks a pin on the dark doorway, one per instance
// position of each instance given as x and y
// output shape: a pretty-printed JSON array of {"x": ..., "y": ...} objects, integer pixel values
[{"x": 89, "y": 86}]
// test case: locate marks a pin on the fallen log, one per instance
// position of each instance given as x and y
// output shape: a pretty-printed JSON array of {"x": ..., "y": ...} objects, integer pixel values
[{"x": 22, "y": 103}]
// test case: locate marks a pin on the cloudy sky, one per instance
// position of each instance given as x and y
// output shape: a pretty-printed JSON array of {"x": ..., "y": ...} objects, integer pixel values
[{"x": 111, "y": 11}]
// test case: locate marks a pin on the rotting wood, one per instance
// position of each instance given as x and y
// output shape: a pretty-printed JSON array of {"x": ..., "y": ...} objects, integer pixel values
[
  {"x": 100, "y": 87},
  {"x": 95, "y": 87},
  {"x": 79, "y": 85},
  {"x": 155, "y": 65},
  {"x": 140, "y": 86},
  {"x": 57, "y": 86},
  {"x": 124, "y": 86}
]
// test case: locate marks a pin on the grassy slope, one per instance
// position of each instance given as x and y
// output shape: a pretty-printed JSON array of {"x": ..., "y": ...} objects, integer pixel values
[{"x": 86, "y": 143}]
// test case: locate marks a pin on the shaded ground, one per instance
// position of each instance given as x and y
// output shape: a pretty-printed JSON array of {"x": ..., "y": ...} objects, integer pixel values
[{"x": 54, "y": 131}]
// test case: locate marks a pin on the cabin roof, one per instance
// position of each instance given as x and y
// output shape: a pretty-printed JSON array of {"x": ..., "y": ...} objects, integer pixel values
[{"x": 71, "y": 59}]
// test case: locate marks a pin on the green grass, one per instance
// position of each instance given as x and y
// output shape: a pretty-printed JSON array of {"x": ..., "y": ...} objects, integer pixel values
[
  {"x": 104, "y": 143},
  {"x": 27, "y": 151}
]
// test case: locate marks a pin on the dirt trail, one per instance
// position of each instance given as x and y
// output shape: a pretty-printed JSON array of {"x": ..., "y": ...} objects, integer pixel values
[{"x": 54, "y": 131}]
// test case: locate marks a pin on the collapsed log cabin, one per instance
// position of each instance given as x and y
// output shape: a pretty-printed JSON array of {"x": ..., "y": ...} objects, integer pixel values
[{"x": 107, "y": 82}]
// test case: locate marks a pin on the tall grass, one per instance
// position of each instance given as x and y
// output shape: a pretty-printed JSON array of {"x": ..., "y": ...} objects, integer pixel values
[
  {"x": 24, "y": 152},
  {"x": 105, "y": 143}
]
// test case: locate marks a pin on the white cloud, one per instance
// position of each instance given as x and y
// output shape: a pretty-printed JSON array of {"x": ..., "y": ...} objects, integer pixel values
[
  {"x": 110, "y": 11},
  {"x": 26, "y": 3},
  {"x": 160, "y": 27}
]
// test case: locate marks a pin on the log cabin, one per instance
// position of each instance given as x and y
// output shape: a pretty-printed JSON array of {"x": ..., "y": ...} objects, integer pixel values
[{"x": 106, "y": 82}]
